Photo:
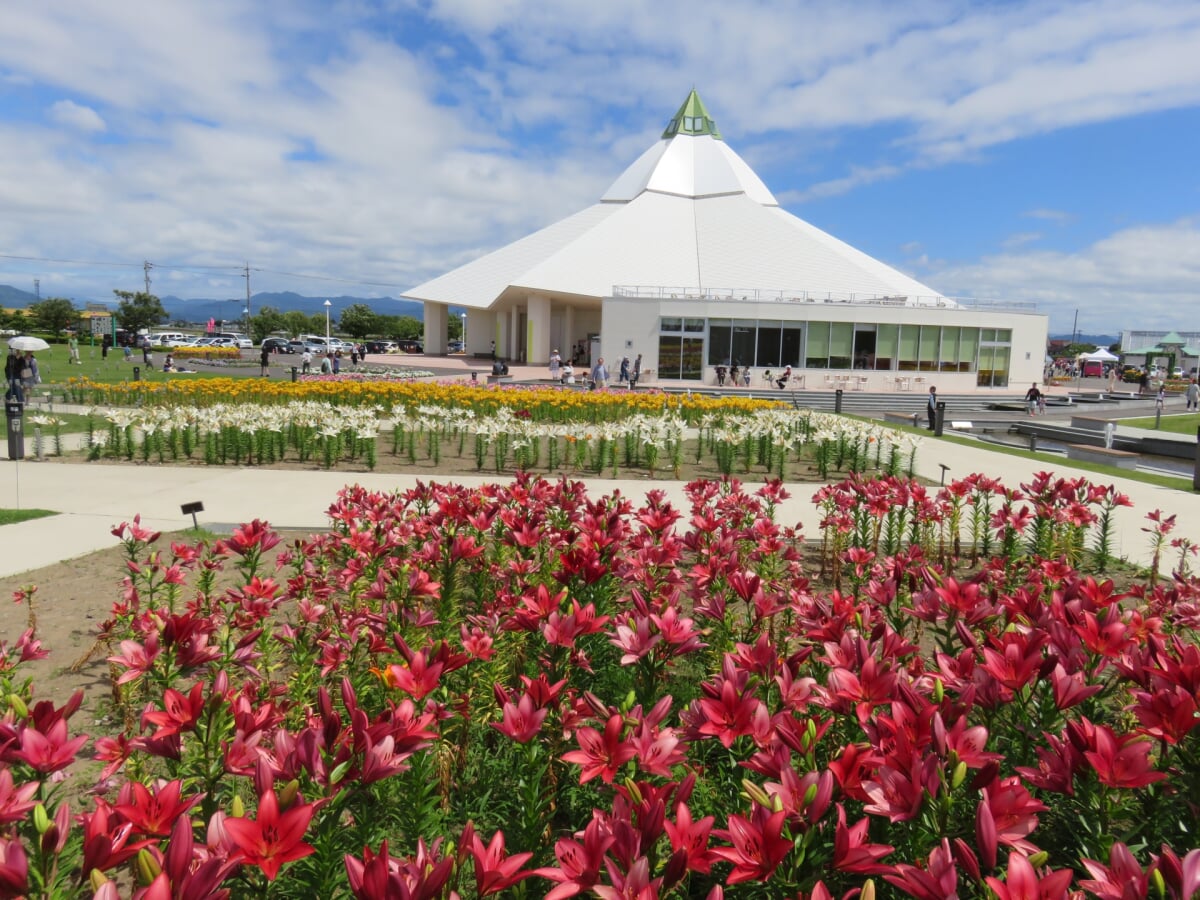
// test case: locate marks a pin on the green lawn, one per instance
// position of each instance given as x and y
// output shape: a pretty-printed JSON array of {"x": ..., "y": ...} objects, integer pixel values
[
  {"x": 1185, "y": 423},
  {"x": 13, "y": 516},
  {"x": 55, "y": 369}
]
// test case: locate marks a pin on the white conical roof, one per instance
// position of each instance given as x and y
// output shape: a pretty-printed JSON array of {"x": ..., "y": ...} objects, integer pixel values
[{"x": 689, "y": 213}]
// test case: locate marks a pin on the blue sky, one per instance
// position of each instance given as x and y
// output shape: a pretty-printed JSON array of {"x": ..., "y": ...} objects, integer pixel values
[{"x": 1032, "y": 151}]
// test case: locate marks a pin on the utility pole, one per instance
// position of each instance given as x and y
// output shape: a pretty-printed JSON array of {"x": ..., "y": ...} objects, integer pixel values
[
  {"x": 146, "y": 266},
  {"x": 1075, "y": 327},
  {"x": 37, "y": 288},
  {"x": 246, "y": 275}
]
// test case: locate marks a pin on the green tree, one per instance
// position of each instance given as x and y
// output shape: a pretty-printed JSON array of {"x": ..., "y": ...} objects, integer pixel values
[
  {"x": 401, "y": 328},
  {"x": 138, "y": 310},
  {"x": 267, "y": 320},
  {"x": 454, "y": 327},
  {"x": 316, "y": 324},
  {"x": 359, "y": 320},
  {"x": 296, "y": 323},
  {"x": 54, "y": 314}
]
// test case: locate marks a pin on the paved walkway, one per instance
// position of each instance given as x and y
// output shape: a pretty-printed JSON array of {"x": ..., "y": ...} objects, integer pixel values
[{"x": 93, "y": 497}]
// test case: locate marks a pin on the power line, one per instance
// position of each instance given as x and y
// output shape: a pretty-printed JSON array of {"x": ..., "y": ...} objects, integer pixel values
[{"x": 243, "y": 269}]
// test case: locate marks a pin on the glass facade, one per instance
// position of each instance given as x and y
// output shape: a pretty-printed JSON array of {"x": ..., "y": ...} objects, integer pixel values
[{"x": 682, "y": 353}]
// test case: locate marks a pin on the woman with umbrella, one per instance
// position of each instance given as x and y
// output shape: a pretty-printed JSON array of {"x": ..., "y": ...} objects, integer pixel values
[{"x": 21, "y": 373}]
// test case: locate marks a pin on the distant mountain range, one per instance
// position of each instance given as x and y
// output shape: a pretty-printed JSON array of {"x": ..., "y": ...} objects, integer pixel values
[
  {"x": 180, "y": 310},
  {"x": 201, "y": 310},
  {"x": 1100, "y": 340}
]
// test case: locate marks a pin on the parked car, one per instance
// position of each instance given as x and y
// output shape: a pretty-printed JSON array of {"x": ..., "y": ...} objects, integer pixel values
[
  {"x": 409, "y": 345},
  {"x": 277, "y": 345},
  {"x": 455, "y": 347},
  {"x": 381, "y": 346}
]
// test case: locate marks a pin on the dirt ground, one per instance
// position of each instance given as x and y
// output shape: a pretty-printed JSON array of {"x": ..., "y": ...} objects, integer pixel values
[{"x": 72, "y": 600}]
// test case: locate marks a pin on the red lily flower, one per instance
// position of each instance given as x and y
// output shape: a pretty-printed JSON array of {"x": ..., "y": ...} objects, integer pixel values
[
  {"x": 493, "y": 872},
  {"x": 691, "y": 838},
  {"x": 636, "y": 884},
  {"x": 14, "y": 868},
  {"x": 601, "y": 755},
  {"x": 51, "y": 751},
  {"x": 521, "y": 722},
  {"x": 105, "y": 847},
  {"x": 851, "y": 853},
  {"x": 578, "y": 867},
  {"x": 180, "y": 713},
  {"x": 271, "y": 839},
  {"x": 1181, "y": 876},
  {"x": 1013, "y": 812},
  {"x": 1121, "y": 878},
  {"x": 15, "y": 802},
  {"x": 758, "y": 845},
  {"x": 937, "y": 882},
  {"x": 153, "y": 813},
  {"x": 1122, "y": 762},
  {"x": 1025, "y": 883}
]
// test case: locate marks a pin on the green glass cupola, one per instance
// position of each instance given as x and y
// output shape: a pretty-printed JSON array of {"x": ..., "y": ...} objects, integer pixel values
[{"x": 692, "y": 119}]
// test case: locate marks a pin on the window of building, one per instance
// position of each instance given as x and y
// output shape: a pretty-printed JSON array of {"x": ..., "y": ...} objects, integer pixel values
[
  {"x": 720, "y": 342},
  {"x": 887, "y": 345},
  {"x": 816, "y": 353},
  {"x": 792, "y": 350},
  {"x": 841, "y": 345},
  {"x": 864, "y": 346},
  {"x": 769, "y": 336},
  {"x": 744, "y": 341},
  {"x": 910, "y": 337}
]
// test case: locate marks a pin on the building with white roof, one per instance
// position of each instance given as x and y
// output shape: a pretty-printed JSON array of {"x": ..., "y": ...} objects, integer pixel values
[{"x": 689, "y": 260}]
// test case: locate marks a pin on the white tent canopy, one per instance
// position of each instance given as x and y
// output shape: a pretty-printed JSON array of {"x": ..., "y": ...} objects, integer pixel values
[{"x": 1101, "y": 355}]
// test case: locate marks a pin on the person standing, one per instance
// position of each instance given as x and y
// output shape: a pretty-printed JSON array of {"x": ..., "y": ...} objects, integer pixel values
[
  {"x": 1193, "y": 395},
  {"x": 146, "y": 350},
  {"x": 721, "y": 372},
  {"x": 555, "y": 363},
  {"x": 636, "y": 373},
  {"x": 12, "y": 377},
  {"x": 327, "y": 364},
  {"x": 600, "y": 374},
  {"x": 1032, "y": 398},
  {"x": 1161, "y": 399},
  {"x": 931, "y": 409},
  {"x": 73, "y": 351},
  {"x": 306, "y": 361},
  {"x": 623, "y": 374},
  {"x": 734, "y": 373},
  {"x": 29, "y": 373},
  {"x": 265, "y": 361}
]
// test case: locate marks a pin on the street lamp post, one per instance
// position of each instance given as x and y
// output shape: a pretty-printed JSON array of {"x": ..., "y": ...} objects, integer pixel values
[
  {"x": 464, "y": 337},
  {"x": 327, "y": 305}
]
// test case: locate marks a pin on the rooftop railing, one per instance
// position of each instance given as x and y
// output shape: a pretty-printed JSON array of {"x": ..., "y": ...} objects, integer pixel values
[{"x": 761, "y": 295}]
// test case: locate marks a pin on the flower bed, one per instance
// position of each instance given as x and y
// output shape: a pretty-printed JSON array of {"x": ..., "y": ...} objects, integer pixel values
[
  {"x": 527, "y": 691},
  {"x": 227, "y": 354},
  {"x": 775, "y": 442},
  {"x": 545, "y": 403}
]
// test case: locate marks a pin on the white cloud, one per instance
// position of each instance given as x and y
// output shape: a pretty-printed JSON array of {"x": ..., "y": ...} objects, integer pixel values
[
  {"x": 72, "y": 115},
  {"x": 1056, "y": 216},
  {"x": 1021, "y": 238},
  {"x": 1147, "y": 276}
]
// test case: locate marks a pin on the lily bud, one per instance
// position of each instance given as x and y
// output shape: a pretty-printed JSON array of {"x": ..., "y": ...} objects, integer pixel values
[
  {"x": 1039, "y": 859},
  {"x": 634, "y": 792},
  {"x": 146, "y": 867},
  {"x": 1160, "y": 885},
  {"x": 97, "y": 879},
  {"x": 288, "y": 795},
  {"x": 810, "y": 795},
  {"x": 755, "y": 793},
  {"x": 17, "y": 704},
  {"x": 959, "y": 776},
  {"x": 868, "y": 890},
  {"x": 41, "y": 820},
  {"x": 237, "y": 809},
  {"x": 939, "y": 690}
]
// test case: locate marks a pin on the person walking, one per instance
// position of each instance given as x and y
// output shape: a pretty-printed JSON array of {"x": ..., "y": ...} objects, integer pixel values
[
  {"x": 1161, "y": 399},
  {"x": 599, "y": 374},
  {"x": 636, "y": 373},
  {"x": 1193, "y": 396},
  {"x": 73, "y": 352},
  {"x": 265, "y": 361},
  {"x": 1032, "y": 397},
  {"x": 306, "y": 361},
  {"x": 623, "y": 374},
  {"x": 931, "y": 409}
]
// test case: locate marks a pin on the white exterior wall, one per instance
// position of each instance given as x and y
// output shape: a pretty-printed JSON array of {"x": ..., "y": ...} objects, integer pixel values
[
  {"x": 631, "y": 326},
  {"x": 436, "y": 321}
]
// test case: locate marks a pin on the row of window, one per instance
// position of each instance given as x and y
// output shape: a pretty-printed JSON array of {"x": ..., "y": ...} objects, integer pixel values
[{"x": 832, "y": 345}]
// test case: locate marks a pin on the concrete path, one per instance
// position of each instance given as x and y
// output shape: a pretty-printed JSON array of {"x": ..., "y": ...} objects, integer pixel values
[{"x": 93, "y": 497}]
